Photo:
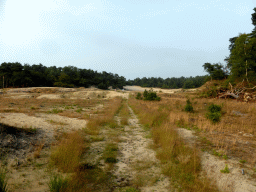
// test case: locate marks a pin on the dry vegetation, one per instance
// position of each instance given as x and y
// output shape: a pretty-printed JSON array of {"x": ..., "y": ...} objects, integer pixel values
[
  {"x": 84, "y": 159},
  {"x": 180, "y": 162}
]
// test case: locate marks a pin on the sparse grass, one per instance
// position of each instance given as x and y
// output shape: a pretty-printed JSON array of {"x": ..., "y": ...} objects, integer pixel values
[
  {"x": 3, "y": 180},
  {"x": 110, "y": 153},
  {"x": 124, "y": 113},
  {"x": 242, "y": 161},
  {"x": 225, "y": 170},
  {"x": 180, "y": 162},
  {"x": 38, "y": 150},
  {"x": 56, "y": 122},
  {"x": 66, "y": 156},
  {"x": 55, "y": 111},
  {"x": 129, "y": 189},
  {"x": 106, "y": 118},
  {"x": 97, "y": 138},
  {"x": 58, "y": 183},
  {"x": 79, "y": 110}
]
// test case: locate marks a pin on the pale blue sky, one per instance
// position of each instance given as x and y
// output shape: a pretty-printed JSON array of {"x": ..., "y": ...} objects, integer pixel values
[{"x": 133, "y": 38}]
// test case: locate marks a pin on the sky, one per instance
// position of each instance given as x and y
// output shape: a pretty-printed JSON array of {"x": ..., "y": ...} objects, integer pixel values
[{"x": 133, "y": 38}]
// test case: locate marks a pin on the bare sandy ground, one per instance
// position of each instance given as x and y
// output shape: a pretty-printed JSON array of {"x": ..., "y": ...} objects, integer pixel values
[
  {"x": 137, "y": 163},
  {"x": 134, "y": 151},
  {"x": 234, "y": 181},
  {"x": 141, "y": 89}
]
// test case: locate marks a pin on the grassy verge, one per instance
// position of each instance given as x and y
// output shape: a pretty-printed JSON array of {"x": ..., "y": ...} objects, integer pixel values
[
  {"x": 106, "y": 117},
  {"x": 124, "y": 113},
  {"x": 68, "y": 154},
  {"x": 180, "y": 162}
]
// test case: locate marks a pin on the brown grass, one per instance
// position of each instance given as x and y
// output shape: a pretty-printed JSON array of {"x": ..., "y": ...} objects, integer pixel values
[
  {"x": 105, "y": 117},
  {"x": 233, "y": 135},
  {"x": 38, "y": 150},
  {"x": 67, "y": 154},
  {"x": 124, "y": 113},
  {"x": 180, "y": 162}
]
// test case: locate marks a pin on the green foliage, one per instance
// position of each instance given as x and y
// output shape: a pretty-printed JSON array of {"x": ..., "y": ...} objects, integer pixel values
[
  {"x": 150, "y": 95},
  {"x": 189, "y": 107},
  {"x": 169, "y": 83},
  {"x": 225, "y": 170},
  {"x": 242, "y": 161},
  {"x": 138, "y": 96},
  {"x": 212, "y": 92},
  {"x": 225, "y": 157},
  {"x": 216, "y": 71},
  {"x": 214, "y": 113},
  {"x": 242, "y": 58},
  {"x": 55, "y": 111},
  {"x": 3, "y": 181},
  {"x": 214, "y": 108},
  {"x": 16, "y": 75},
  {"x": 110, "y": 153},
  {"x": 58, "y": 183}
]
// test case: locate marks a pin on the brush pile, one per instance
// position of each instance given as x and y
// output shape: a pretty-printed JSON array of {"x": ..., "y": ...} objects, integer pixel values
[{"x": 239, "y": 92}]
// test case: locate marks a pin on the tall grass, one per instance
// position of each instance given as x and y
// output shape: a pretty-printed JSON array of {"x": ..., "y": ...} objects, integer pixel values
[
  {"x": 66, "y": 156},
  {"x": 3, "y": 180},
  {"x": 124, "y": 113},
  {"x": 180, "y": 162},
  {"x": 106, "y": 117},
  {"x": 58, "y": 183}
]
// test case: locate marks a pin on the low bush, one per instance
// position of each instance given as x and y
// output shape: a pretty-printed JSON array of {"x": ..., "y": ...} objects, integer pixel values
[
  {"x": 150, "y": 95},
  {"x": 189, "y": 107},
  {"x": 138, "y": 96},
  {"x": 214, "y": 113}
]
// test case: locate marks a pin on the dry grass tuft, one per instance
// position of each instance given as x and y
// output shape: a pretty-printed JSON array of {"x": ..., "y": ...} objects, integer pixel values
[
  {"x": 67, "y": 154},
  {"x": 111, "y": 108},
  {"x": 38, "y": 150}
]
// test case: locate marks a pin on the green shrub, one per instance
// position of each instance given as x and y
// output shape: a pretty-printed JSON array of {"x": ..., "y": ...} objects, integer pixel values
[
  {"x": 214, "y": 113},
  {"x": 3, "y": 181},
  {"x": 189, "y": 107},
  {"x": 214, "y": 108},
  {"x": 58, "y": 183},
  {"x": 139, "y": 96},
  {"x": 225, "y": 170},
  {"x": 150, "y": 95},
  {"x": 212, "y": 92},
  {"x": 110, "y": 153}
]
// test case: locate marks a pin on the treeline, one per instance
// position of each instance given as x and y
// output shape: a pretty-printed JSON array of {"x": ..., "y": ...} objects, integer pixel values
[
  {"x": 241, "y": 62},
  {"x": 18, "y": 75},
  {"x": 170, "y": 83}
]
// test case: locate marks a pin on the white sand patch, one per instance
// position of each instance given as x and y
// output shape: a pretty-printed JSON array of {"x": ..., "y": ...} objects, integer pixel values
[
  {"x": 234, "y": 181},
  {"x": 42, "y": 121},
  {"x": 24, "y": 96},
  {"x": 65, "y": 122},
  {"x": 49, "y": 96}
]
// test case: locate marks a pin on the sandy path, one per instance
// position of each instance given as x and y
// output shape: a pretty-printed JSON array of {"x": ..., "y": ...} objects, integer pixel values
[
  {"x": 234, "y": 181},
  {"x": 141, "y": 89},
  {"x": 137, "y": 164}
]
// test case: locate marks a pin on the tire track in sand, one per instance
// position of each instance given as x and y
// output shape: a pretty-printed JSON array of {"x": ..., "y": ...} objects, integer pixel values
[{"x": 137, "y": 164}]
